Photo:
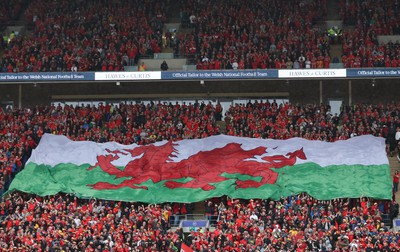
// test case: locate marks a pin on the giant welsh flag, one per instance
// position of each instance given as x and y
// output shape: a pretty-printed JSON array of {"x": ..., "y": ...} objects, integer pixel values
[{"x": 194, "y": 170}]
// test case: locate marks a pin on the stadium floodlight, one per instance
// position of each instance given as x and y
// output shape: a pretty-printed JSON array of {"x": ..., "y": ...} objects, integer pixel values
[
  {"x": 202, "y": 83},
  {"x": 373, "y": 82},
  {"x": 118, "y": 83}
]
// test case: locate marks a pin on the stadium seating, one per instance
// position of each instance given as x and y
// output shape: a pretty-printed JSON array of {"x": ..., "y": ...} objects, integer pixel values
[
  {"x": 297, "y": 223},
  {"x": 20, "y": 130},
  {"x": 361, "y": 46},
  {"x": 313, "y": 122},
  {"x": 294, "y": 223},
  {"x": 131, "y": 123},
  {"x": 261, "y": 34},
  {"x": 76, "y": 40},
  {"x": 86, "y": 35},
  {"x": 102, "y": 35},
  {"x": 224, "y": 35}
]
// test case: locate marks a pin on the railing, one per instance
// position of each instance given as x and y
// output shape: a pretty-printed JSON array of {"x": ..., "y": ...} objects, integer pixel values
[
  {"x": 174, "y": 220},
  {"x": 194, "y": 217},
  {"x": 213, "y": 220},
  {"x": 171, "y": 55}
]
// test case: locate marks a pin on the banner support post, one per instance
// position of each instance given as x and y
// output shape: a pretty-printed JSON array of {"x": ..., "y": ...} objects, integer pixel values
[
  {"x": 350, "y": 94},
  {"x": 320, "y": 92},
  {"x": 20, "y": 96}
]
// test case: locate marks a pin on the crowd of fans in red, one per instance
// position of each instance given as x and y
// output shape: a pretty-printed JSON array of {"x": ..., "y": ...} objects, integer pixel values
[
  {"x": 293, "y": 224},
  {"x": 21, "y": 129},
  {"x": 313, "y": 122},
  {"x": 361, "y": 47},
  {"x": 86, "y": 35},
  {"x": 108, "y": 35},
  {"x": 257, "y": 34},
  {"x": 297, "y": 223}
]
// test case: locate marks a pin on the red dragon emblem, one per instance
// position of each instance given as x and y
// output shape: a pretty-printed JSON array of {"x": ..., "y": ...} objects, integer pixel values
[{"x": 204, "y": 168}]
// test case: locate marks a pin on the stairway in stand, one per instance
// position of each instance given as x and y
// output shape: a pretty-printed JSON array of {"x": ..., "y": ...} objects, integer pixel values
[
  {"x": 333, "y": 10},
  {"x": 336, "y": 51},
  {"x": 333, "y": 19},
  {"x": 173, "y": 22}
]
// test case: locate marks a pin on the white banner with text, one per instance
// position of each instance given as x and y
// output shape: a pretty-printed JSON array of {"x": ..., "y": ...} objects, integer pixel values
[
  {"x": 121, "y": 76},
  {"x": 312, "y": 73}
]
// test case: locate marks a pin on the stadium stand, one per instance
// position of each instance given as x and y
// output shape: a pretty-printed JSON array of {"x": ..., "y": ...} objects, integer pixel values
[
  {"x": 220, "y": 40},
  {"x": 369, "y": 20},
  {"x": 106, "y": 35},
  {"x": 380, "y": 16},
  {"x": 261, "y": 34},
  {"x": 313, "y": 122},
  {"x": 297, "y": 223},
  {"x": 86, "y": 36},
  {"x": 132, "y": 123},
  {"x": 143, "y": 124}
]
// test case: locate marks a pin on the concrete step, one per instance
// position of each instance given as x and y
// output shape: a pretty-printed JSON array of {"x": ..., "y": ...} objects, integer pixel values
[
  {"x": 18, "y": 29},
  {"x": 167, "y": 50},
  {"x": 154, "y": 64},
  {"x": 173, "y": 12},
  {"x": 333, "y": 10},
  {"x": 172, "y": 27},
  {"x": 336, "y": 51},
  {"x": 331, "y": 23},
  {"x": 175, "y": 20}
]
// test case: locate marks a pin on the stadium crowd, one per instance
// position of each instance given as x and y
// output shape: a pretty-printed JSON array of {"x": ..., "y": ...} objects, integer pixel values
[
  {"x": 108, "y": 35},
  {"x": 361, "y": 47},
  {"x": 68, "y": 37},
  {"x": 313, "y": 122},
  {"x": 65, "y": 223},
  {"x": 86, "y": 35},
  {"x": 21, "y": 129},
  {"x": 296, "y": 223},
  {"x": 260, "y": 34}
]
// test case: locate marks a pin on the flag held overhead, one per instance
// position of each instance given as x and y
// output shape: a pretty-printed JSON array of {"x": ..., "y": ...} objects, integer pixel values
[{"x": 194, "y": 170}]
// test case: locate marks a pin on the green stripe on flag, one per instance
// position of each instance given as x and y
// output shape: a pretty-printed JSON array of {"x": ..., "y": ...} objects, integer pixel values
[{"x": 324, "y": 183}]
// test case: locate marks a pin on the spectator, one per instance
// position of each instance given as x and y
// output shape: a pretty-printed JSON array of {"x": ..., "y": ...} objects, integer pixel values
[
  {"x": 234, "y": 33},
  {"x": 142, "y": 67},
  {"x": 396, "y": 178},
  {"x": 294, "y": 223},
  {"x": 164, "y": 66},
  {"x": 76, "y": 36}
]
